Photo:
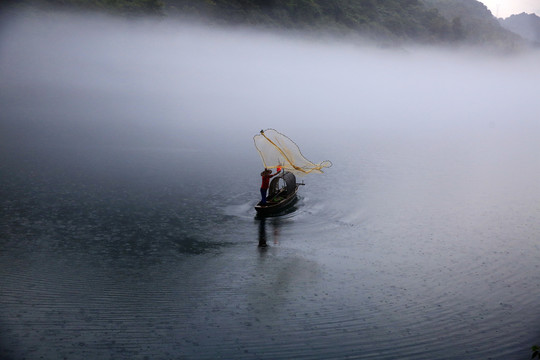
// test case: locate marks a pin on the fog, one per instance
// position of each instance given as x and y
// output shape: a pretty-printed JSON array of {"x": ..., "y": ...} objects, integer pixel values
[
  {"x": 69, "y": 79},
  {"x": 81, "y": 85}
]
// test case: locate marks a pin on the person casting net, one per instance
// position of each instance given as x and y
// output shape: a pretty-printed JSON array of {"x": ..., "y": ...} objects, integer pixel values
[{"x": 277, "y": 151}]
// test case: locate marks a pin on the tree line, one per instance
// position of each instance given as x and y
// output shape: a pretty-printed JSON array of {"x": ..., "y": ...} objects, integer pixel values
[
  {"x": 117, "y": 7},
  {"x": 390, "y": 19},
  {"x": 426, "y": 21}
]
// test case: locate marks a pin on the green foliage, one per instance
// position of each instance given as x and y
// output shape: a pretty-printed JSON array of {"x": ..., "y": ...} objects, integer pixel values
[
  {"x": 535, "y": 352},
  {"x": 428, "y": 21},
  {"x": 397, "y": 19},
  {"x": 132, "y": 7}
]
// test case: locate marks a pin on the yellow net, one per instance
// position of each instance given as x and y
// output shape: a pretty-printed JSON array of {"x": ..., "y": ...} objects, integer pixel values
[{"x": 278, "y": 151}]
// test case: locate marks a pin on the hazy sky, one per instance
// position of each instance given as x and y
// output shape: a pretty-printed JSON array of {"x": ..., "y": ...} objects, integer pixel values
[{"x": 505, "y": 8}]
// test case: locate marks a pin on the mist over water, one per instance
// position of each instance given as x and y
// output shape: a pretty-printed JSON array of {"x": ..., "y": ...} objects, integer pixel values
[{"x": 129, "y": 175}]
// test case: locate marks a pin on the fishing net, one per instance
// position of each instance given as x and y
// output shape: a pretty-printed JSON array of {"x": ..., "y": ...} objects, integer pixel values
[{"x": 278, "y": 151}]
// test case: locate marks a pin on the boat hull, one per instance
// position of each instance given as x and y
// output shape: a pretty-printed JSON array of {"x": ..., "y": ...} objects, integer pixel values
[{"x": 276, "y": 207}]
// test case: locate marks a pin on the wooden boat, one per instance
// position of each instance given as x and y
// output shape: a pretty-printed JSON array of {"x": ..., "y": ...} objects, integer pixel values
[{"x": 281, "y": 194}]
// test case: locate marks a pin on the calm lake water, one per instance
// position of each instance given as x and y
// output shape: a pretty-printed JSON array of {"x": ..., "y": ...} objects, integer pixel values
[{"x": 129, "y": 176}]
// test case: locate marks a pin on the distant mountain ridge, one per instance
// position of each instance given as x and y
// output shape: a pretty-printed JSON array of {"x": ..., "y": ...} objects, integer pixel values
[
  {"x": 525, "y": 25},
  {"x": 394, "y": 21},
  {"x": 446, "y": 21},
  {"x": 380, "y": 19}
]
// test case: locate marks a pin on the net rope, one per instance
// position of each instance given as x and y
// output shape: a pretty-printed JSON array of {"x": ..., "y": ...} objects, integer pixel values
[{"x": 279, "y": 151}]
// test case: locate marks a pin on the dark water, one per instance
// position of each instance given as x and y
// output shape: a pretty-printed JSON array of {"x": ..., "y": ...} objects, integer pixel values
[{"x": 128, "y": 229}]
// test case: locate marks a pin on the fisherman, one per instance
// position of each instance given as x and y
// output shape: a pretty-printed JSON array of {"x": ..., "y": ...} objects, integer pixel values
[{"x": 266, "y": 176}]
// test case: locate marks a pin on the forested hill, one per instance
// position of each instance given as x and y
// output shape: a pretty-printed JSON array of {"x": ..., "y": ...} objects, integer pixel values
[
  {"x": 397, "y": 19},
  {"x": 418, "y": 20},
  {"x": 425, "y": 21}
]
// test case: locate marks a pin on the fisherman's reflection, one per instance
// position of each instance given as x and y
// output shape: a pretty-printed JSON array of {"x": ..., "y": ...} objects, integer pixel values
[
  {"x": 263, "y": 235},
  {"x": 262, "y": 232}
]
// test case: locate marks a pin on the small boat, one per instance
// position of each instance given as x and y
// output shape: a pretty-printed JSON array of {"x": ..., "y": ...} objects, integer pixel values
[{"x": 281, "y": 194}]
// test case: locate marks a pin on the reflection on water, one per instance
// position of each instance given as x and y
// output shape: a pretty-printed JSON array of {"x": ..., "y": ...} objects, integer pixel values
[
  {"x": 262, "y": 232},
  {"x": 275, "y": 224}
]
